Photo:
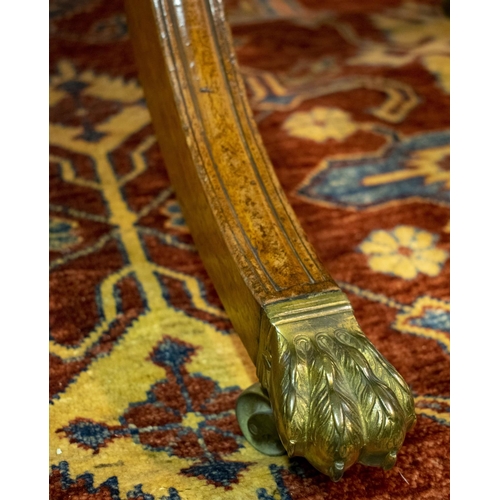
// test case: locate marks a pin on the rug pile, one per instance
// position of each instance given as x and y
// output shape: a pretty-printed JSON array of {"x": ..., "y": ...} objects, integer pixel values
[{"x": 352, "y": 102}]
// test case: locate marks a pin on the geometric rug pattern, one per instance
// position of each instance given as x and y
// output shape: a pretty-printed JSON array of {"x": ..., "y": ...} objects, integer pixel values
[{"x": 352, "y": 103}]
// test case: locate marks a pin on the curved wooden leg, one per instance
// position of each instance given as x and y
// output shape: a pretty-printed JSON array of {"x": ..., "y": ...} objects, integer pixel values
[{"x": 335, "y": 399}]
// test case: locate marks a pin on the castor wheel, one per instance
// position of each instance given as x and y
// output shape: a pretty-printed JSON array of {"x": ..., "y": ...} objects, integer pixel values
[{"x": 256, "y": 419}]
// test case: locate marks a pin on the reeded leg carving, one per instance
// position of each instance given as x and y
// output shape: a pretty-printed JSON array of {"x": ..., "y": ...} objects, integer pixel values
[{"x": 336, "y": 399}]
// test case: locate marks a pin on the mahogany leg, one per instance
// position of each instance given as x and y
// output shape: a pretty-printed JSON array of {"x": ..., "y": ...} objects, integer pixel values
[{"x": 334, "y": 397}]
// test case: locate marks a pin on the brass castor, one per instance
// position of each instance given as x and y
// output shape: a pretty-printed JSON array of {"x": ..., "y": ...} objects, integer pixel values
[{"x": 256, "y": 419}]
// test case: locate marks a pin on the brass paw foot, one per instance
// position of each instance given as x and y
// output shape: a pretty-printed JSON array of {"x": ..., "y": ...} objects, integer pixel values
[{"x": 336, "y": 400}]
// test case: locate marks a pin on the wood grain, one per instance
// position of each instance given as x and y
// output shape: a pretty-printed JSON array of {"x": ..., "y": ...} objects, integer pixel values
[{"x": 247, "y": 234}]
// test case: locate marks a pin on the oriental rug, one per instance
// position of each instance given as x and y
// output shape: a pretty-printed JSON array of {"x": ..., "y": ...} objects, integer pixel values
[{"x": 352, "y": 101}]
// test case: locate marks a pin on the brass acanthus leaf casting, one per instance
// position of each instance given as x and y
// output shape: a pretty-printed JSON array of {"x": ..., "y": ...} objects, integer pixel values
[{"x": 335, "y": 398}]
